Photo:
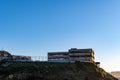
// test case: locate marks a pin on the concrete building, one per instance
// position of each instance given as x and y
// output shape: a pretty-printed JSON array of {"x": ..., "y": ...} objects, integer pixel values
[
  {"x": 72, "y": 55},
  {"x": 58, "y": 57}
]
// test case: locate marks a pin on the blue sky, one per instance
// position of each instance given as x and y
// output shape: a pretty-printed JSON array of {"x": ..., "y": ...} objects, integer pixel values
[{"x": 35, "y": 27}]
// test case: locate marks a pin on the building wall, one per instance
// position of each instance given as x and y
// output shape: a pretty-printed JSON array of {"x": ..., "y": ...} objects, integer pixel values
[
  {"x": 58, "y": 56},
  {"x": 83, "y": 55},
  {"x": 4, "y": 55},
  {"x": 89, "y": 57},
  {"x": 21, "y": 58}
]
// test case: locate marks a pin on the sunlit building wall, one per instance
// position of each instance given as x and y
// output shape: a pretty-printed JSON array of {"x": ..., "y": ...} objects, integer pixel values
[{"x": 73, "y": 54}]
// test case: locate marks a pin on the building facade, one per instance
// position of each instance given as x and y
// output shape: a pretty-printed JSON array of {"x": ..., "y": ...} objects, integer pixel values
[
  {"x": 21, "y": 58},
  {"x": 72, "y": 55},
  {"x": 4, "y": 55},
  {"x": 58, "y": 57}
]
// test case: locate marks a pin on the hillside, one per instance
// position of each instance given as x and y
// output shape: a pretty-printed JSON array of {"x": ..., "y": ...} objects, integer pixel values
[
  {"x": 115, "y": 73},
  {"x": 52, "y": 71}
]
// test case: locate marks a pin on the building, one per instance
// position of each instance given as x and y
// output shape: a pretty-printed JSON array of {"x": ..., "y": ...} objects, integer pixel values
[
  {"x": 21, "y": 58},
  {"x": 72, "y": 55},
  {"x": 4, "y": 55},
  {"x": 58, "y": 57}
]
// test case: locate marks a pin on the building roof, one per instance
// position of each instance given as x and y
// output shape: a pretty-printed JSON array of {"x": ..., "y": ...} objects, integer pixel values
[
  {"x": 72, "y": 50},
  {"x": 75, "y": 50},
  {"x": 57, "y": 53},
  {"x": 20, "y": 56}
]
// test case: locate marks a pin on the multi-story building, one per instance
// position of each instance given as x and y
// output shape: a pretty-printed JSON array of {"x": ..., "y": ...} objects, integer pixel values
[
  {"x": 58, "y": 56},
  {"x": 72, "y": 55}
]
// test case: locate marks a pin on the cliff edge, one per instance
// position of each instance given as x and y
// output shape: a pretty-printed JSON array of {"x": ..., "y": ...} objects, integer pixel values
[{"x": 52, "y": 71}]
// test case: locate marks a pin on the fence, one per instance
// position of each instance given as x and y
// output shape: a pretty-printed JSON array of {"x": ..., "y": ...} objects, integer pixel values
[{"x": 39, "y": 58}]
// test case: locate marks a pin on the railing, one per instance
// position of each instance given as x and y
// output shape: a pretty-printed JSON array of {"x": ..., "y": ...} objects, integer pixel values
[
  {"x": 33, "y": 58},
  {"x": 39, "y": 58}
]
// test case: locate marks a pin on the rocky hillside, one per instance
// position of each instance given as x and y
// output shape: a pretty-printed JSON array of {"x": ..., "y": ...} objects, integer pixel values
[{"x": 52, "y": 71}]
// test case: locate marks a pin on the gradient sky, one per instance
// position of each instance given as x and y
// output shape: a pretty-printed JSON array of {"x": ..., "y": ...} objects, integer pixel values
[{"x": 35, "y": 27}]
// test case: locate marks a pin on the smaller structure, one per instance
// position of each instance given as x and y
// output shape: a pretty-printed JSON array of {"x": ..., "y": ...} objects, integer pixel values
[
  {"x": 21, "y": 58},
  {"x": 97, "y": 63},
  {"x": 4, "y": 55},
  {"x": 72, "y": 55}
]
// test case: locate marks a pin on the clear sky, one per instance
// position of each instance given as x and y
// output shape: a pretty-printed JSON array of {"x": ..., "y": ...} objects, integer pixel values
[{"x": 35, "y": 27}]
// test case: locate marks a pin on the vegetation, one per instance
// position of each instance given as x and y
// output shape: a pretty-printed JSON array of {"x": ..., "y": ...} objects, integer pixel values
[{"x": 52, "y": 71}]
